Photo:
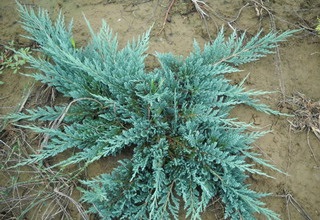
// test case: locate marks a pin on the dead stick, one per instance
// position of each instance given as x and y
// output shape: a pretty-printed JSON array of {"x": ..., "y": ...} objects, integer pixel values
[{"x": 166, "y": 17}]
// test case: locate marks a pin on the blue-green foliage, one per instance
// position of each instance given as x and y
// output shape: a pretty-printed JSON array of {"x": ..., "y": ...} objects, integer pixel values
[{"x": 176, "y": 119}]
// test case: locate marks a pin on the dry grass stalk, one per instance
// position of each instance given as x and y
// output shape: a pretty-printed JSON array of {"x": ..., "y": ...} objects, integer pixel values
[
  {"x": 201, "y": 6},
  {"x": 290, "y": 200},
  {"x": 306, "y": 114},
  {"x": 33, "y": 191}
]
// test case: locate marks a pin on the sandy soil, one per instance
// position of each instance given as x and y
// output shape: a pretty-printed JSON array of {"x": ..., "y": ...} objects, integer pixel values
[{"x": 293, "y": 68}]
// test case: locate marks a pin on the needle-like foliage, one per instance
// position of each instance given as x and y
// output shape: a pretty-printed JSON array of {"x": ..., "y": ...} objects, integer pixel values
[{"x": 186, "y": 148}]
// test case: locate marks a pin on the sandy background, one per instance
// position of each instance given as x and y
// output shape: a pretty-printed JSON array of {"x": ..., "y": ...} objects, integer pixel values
[{"x": 293, "y": 68}]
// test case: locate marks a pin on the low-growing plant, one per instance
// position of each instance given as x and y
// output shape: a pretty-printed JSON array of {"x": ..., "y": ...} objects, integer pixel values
[
  {"x": 13, "y": 59},
  {"x": 175, "y": 118}
]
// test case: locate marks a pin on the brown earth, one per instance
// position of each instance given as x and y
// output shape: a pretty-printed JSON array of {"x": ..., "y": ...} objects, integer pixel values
[{"x": 293, "y": 68}]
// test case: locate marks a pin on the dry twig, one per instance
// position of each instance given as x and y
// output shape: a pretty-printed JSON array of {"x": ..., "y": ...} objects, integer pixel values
[
  {"x": 290, "y": 200},
  {"x": 166, "y": 16},
  {"x": 306, "y": 113},
  {"x": 306, "y": 116}
]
